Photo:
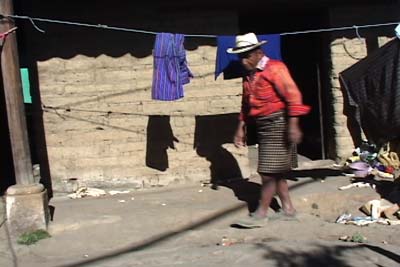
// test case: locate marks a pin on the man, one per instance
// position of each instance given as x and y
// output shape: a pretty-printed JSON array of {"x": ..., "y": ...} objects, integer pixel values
[{"x": 272, "y": 100}]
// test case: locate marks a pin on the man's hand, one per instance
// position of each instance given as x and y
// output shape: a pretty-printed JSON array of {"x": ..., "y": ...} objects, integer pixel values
[{"x": 295, "y": 134}]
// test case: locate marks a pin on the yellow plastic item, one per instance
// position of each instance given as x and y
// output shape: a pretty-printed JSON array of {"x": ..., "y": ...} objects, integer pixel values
[
  {"x": 388, "y": 158},
  {"x": 354, "y": 159}
]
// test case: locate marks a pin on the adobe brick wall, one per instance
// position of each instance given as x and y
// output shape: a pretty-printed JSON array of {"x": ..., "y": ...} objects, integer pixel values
[
  {"x": 98, "y": 110},
  {"x": 96, "y": 88}
]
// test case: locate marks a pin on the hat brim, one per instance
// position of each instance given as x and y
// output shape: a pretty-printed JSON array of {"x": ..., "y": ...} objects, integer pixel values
[{"x": 238, "y": 50}]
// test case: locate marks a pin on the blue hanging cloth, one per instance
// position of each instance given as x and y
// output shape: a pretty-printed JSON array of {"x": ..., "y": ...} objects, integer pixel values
[
  {"x": 230, "y": 64},
  {"x": 170, "y": 67}
]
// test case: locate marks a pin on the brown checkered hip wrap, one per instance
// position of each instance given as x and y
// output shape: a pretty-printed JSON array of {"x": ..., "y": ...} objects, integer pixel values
[{"x": 275, "y": 154}]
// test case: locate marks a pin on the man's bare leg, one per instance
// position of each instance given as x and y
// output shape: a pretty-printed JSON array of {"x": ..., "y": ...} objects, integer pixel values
[
  {"x": 268, "y": 190},
  {"x": 282, "y": 189}
]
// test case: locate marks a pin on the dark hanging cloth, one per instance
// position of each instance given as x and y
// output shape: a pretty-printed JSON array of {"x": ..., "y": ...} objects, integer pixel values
[{"x": 372, "y": 93}]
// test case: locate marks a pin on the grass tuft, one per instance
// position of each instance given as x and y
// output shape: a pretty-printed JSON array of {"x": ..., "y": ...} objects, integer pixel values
[{"x": 32, "y": 237}]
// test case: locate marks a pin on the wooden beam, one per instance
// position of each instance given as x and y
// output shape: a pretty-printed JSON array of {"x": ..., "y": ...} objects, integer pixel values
[{"x": 14, "y": 99}]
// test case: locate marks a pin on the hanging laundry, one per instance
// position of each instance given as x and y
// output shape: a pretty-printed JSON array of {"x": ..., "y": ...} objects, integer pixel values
[
  {"x": 170, "y": 67},
  {"x": 230, "y": 64},
  {"x": 372, "y": 93}
]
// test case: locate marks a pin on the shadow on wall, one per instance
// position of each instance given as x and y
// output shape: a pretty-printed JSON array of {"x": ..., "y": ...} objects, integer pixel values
[
  {"x": 67, "y": 41},
  {"x": 159, "y": 138},
  {"x": 352, "y": 124},
  {"x": 211, "y": 133}
]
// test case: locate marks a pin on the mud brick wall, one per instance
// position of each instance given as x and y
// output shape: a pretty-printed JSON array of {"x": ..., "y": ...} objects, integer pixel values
[
  {"x": 102, "y": 126},
  {"x": 346, "y": 49}
]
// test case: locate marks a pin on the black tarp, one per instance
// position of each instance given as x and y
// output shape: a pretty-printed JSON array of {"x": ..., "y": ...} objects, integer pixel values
[{"x": 372, "y": 93}]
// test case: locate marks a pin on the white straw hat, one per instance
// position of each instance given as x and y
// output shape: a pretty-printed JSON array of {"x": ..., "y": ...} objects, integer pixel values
[{"x": 245, "y": 43}]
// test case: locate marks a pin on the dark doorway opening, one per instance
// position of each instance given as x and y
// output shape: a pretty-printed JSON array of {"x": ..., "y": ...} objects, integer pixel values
[
  {"x": 303, "y": 55},
  {"x": 7, "y": 176}
]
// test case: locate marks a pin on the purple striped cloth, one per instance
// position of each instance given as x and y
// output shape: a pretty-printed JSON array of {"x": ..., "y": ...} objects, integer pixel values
[{"x": 170, "y": 67}]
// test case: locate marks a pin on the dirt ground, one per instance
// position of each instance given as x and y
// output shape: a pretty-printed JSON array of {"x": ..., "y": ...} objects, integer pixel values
[{"x": 191, "y": 225}]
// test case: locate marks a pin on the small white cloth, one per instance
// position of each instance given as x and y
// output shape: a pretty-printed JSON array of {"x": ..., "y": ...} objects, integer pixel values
[
  {"x": 87, "y": 191},
  {"x": 397, "y": 30}
]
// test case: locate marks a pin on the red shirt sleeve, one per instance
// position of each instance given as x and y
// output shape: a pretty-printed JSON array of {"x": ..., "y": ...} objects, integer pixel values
[{"x": 279, "y": 75}]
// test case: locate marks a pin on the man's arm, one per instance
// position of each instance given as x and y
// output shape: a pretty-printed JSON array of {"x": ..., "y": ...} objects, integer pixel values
[
  {"x": 291, "y": 94},
  {"x": 240, "y": 135}
]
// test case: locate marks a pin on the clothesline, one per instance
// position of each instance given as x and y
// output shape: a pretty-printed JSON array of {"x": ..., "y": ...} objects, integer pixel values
[
  {"x": 106, "y": 27},
  {"x": 4, "y": 34}
]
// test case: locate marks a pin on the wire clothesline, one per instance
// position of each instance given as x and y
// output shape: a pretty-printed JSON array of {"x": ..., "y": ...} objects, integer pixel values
[{"x": 103, "y": 26}]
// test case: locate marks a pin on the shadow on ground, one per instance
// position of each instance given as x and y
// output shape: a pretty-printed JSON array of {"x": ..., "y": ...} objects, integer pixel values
[
  {"x": 331, "y": 256},
  {"x": 314, "y": 173},
  {"x": 249, "y": 191},
  {"x": 154, "y": 240}
]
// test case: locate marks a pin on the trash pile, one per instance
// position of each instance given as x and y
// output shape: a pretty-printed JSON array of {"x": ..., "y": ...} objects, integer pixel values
[
  {"x": 370, "y": 166},
  {"x": 377, "y": 211},
  {"x": 367, "y": 160},
  {"x": 84, "y": 191}
]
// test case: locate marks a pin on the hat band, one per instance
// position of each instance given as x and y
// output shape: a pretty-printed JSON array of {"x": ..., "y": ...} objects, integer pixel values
[{"x": 241, "y": 47}]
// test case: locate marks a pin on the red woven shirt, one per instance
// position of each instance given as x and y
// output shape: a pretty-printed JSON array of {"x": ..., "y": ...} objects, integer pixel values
[{"x": 271, "y": 89}]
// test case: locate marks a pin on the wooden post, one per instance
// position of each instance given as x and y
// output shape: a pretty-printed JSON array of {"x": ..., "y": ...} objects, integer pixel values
[{"x": 14, "y": 100}]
